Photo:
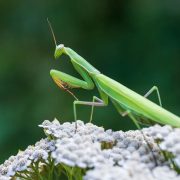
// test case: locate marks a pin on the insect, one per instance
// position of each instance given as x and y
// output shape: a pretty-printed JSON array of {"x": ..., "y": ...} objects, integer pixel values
[{"x": 126, "y": 101}]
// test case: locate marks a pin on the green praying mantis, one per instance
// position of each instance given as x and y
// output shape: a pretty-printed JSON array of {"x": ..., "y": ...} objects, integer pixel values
[{"x": 126, "y": 101}]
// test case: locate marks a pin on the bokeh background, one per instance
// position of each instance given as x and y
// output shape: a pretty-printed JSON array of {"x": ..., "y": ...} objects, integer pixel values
[{"x": 134, "y": 42}]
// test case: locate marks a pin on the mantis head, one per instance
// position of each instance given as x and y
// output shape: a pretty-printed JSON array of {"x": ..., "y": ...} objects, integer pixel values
[{"x": 59, "y": 50}]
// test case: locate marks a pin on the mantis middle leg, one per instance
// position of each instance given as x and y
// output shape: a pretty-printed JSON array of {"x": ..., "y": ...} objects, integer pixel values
[{"x": 88, "y": 103}]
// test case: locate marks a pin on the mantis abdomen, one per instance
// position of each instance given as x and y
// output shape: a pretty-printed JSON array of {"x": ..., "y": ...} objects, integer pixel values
[{"x": 134, "y": 102}]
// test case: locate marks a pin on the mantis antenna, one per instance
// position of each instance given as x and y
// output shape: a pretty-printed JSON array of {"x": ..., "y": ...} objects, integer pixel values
[{"x": 50, "y": 26}]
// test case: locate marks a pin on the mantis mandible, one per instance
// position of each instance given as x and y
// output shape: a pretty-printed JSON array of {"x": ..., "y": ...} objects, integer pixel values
[{"x": 126, "y": 101}]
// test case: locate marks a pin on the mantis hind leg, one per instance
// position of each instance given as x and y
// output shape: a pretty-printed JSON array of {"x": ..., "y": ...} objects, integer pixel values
[{"x": 154, "y": 88}]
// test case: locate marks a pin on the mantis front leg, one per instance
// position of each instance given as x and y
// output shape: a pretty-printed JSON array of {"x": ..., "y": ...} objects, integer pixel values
[{"x": 66, "y": 81}]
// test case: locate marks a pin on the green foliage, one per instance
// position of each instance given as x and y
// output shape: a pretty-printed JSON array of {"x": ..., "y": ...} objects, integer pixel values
[{"x": 51, "y": 172}]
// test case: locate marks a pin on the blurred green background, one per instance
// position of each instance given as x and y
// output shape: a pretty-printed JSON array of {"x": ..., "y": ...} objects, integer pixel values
[{"x": 134, "y": 42}]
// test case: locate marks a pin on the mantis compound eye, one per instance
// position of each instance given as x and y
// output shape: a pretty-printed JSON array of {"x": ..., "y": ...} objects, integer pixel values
[
  {"x": 60, "y": 47},
  {"x": 59, "y": 50}
]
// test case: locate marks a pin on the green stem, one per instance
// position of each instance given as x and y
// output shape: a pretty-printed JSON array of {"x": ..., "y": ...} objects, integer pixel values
[
  {"x": 21, "y": 176},
  {"x": 51, "y": 168},
  {"x": 36, "y": 170}
]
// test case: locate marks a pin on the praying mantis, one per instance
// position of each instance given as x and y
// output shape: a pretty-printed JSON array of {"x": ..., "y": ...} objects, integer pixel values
[{"x": 126, "y": 101}]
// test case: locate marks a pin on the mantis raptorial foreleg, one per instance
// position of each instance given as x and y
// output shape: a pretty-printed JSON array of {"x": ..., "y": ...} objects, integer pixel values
[{"x": 154, "y": 88}]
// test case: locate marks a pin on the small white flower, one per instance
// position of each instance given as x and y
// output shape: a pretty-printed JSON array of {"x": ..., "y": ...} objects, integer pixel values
[
  {"x": 55, "y": 122},
  {"x": 4, "y": 170},
  {"x": 45, "y": 144},
  {"x": 39, "y": 154},
  {"x": 4, "y": 178},
  {"x": 107, "y": 172},
  {"x": 22, "y": 164},
  {"x": 165, "y": 173},
  {"x": 29, "y": 151},
  {"x": 45, "y": 124}
]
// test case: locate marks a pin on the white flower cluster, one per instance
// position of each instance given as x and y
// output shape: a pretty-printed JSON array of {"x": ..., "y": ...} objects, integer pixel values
[
  {"x": 78, "y": 151},
  {"x": 158, "y": 132},
  {"x": 172, "y": 145},
  {"x": 81, "y": 147},
  {"x": 117, "y": 155},
  {"x": 67, "y": 130},
  {"x": 169, "y": 140},
  {"x": 132, "y": 170},
  {"x": 134, "y": 145},
  {"x": 25, "y": 159},
  {"x": 127, "y": 145}
]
